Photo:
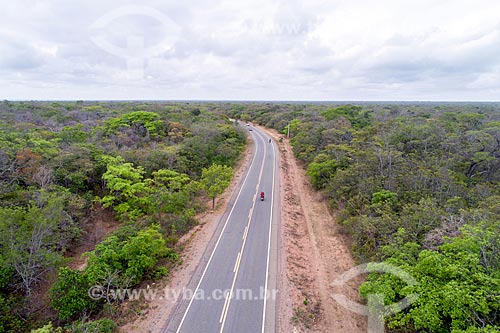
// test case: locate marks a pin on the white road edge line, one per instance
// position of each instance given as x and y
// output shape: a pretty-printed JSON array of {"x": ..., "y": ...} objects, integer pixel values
[
  {"x": 216, "y": 244},
  {"x": 244, "y": 242},
  {"x": 269, "y": 245},
  {"x": 223, "y": 310}
]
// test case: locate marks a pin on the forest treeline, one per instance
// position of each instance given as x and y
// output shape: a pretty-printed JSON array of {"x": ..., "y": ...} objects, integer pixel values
[
  {"x": 151, "y": 164},
  {"x": 415, "y": 186}
]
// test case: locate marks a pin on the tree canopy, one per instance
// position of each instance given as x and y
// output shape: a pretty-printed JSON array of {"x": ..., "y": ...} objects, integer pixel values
[
  {"x": 65, "y": 167},
  {"x": 215, "y": 179}
]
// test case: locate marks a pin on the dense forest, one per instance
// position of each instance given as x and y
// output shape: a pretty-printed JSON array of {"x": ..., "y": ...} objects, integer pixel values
[
  {"x": 151, "y": 166},
  {"x": 415, "y": 186}
]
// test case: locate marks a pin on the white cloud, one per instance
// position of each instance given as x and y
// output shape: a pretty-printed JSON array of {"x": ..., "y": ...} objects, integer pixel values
[{"x": 306, "y": 50}]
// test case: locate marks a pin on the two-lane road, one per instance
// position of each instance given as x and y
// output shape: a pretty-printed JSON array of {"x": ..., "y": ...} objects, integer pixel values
[{"x": 235, "y": 288}]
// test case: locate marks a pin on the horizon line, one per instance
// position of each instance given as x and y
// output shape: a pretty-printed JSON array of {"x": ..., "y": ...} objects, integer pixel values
[{"x": 250, "y": 100}]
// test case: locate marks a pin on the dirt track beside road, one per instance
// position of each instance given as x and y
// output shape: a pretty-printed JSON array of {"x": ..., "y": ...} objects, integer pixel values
[{"x": 314, "y": 253}]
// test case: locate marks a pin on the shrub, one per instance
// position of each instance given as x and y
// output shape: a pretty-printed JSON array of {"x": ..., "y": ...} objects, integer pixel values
[
  {"x": 104, "y": 325},
  {"x": 69, "y": 294}
]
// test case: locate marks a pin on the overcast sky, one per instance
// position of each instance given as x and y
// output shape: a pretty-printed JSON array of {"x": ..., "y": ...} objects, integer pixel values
[{"x": 250, "y": 50}]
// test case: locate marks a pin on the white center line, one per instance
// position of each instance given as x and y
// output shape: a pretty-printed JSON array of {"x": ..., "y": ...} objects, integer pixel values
[
  {"x": 245, "y": 233},
  {"x": 237, "y": 262}
]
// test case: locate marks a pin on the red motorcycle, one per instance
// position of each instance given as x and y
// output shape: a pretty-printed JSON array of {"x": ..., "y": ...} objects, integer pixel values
[{"x": 261, "y": 196}]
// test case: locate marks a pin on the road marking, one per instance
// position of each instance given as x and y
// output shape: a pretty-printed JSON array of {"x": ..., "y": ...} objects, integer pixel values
[
  {"x": 245, "y": 233},
  {"x": 268, "y": 245},
  {"x": 217, "y": 243},
  {"x": 237, "y": 262},
  {"x": 226, "y": 309}
]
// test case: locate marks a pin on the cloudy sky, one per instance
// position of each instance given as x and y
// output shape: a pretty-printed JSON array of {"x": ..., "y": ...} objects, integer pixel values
[{"x": 250, "y": 49}]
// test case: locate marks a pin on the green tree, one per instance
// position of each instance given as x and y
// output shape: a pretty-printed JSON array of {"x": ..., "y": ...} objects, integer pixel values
[
  {"x": 458, "y": 284},
  {"x": 74, "y": 134},
  {"x": 215, "y": 180},
  {"x": 69, "y": 295},
  {"x": 103, "y": 325},
  {"x": 358, "y": 117},
  {"x": 9, "y": 319},
  {"x": 143, "y": 123},
  {"x": 122, "y": 263},
  {"x": 74, "y": 168},
  {"x": 383, "y": 199},
  {"x": 49, "y": 328},
  {"x": 32, "y": 239},
  {"x": 126, "y": 186},
  {"x": 322, "y": 171},
  {"x": 170, "y": 192}
]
